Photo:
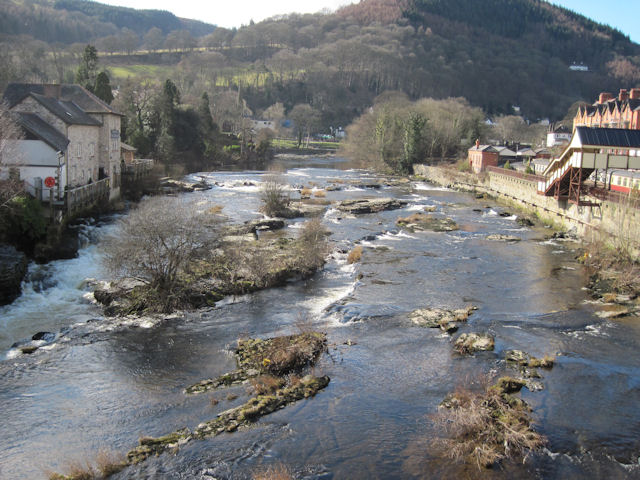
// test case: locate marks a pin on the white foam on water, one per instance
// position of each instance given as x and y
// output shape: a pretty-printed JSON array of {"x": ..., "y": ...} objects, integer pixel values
[
  {"x": 426, "y": 187},
  {"x": 418, "y": 207},
  {"x": 318, "y": 305},
  {"x": 396, "y": 236},
  {"x": 297, "y": 173}
]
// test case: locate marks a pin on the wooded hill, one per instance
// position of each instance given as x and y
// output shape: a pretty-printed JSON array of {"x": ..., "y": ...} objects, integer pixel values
[
  {"x": 70, "y": 21},
  {"x": 496, "y": 53}
]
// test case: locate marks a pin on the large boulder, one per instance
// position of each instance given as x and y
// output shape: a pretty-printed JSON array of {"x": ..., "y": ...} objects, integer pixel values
[
  {"x": 441, "y": 318},
  {"x": 13, "y": 268},
  {"x": 418, "y": 222},
  {"x": 370, "y": 205},
  {"x": 468, "y": 343}
]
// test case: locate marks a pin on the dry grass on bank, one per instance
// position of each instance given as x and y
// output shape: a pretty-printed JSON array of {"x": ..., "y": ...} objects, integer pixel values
[
  {"x": 483, "y": 428},
  {"x": 106, "y": 464},
  {"x": 275, "y": 472},
  {"x": 267, "y": 384},
  {"x": 355, "y": 255},
  {"x": 618, "y": 265}
]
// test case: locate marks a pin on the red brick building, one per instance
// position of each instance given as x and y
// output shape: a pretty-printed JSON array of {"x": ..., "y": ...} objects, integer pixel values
[
  {"x": 609, "y": 111},
  {"x": 482, "y": 156}
]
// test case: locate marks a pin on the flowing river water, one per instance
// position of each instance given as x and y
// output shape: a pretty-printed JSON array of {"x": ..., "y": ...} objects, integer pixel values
[{"x": 92, "y": 388}]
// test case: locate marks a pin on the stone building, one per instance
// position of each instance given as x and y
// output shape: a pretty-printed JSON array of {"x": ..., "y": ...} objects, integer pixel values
[{"x": 91, "y": 127}]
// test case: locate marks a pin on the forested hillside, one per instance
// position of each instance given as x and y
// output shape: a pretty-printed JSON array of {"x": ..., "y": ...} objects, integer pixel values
[
  {"x": 70, "y": 21},
  {"x": 497, "y": 54}
]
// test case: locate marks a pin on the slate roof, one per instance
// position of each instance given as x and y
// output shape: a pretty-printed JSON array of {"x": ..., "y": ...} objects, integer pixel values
[
  {"x": 609, "y": 137},
  {"x": 38, "y": 127},
  {"x": 16, "y": 92},
  {"x": 483, "y": 148},
  {"x": 67, "y": 111}
]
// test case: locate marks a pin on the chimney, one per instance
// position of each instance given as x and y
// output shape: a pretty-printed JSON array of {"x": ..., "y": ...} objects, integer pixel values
[
  {"x": 52, "y": 90},
  {"x": 623, "y": 96},
  {"x": 605, "y": 97},
  {"x": 477, "y": 143},
  {"x": 635, "y": 94}
]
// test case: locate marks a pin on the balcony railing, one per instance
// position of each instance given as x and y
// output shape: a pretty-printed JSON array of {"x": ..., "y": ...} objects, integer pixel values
[{"x": 79, "y": 198}]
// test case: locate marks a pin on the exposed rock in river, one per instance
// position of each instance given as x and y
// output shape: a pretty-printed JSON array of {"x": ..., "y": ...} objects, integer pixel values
[
  {"x": 474, "y": 342},
  {"x": 369, "y": 205},
  {"x": 498, "y": 237},
  {"x": 230, "y": 420},
  {"x": 169, "y": 185},
  {"x": 440, "y": 318},
  {"x": 276, "y": 356},
  {"x": 422, "y": 221}
]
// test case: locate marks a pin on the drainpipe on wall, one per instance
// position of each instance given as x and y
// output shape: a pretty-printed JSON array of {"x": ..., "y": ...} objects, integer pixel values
[{"x": 60, "y": 155}]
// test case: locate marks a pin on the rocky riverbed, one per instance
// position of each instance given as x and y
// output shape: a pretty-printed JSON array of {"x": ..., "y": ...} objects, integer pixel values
[{"x": 119, "y": 383}]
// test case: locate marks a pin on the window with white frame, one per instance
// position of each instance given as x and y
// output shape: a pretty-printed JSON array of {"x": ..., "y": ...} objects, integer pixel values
[
  {"x": 79, "y": 150},
  {"x": 92, "y": 149}
]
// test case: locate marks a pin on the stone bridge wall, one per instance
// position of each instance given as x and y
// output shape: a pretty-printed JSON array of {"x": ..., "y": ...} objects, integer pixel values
[{"x": 621, "y": 220}]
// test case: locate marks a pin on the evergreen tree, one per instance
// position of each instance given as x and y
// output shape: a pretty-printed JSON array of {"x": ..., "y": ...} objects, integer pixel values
[
  {"x": 86, "y": 74},
  {"x": 165, "y": 120},
  {"x": 414, "y": 140},
  {"x": 102, "y": 88},
  {"x": 208, "y": 128}
]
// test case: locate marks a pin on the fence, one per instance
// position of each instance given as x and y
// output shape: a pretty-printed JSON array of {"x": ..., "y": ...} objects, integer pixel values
[
  {"x": 79, "y": 198},
  {"x": 515, "y": 174},
  {"x": 136, "y": 170}
]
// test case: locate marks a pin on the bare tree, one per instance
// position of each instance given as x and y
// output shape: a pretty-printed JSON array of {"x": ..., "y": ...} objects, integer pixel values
[
  {"x": 158, "y": 240},
  {"x": 275, "y": 200},
  {"x": 305, "y": 119}
]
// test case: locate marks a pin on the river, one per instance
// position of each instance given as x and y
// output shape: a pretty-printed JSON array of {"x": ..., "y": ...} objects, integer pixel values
[{"x": 93, "y": 388}]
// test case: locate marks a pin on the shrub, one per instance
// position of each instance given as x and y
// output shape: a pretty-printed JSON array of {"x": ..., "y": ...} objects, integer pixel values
[
  {"x": 275, "y": 472},
  {"x": 485, "y": 427},
  {"x": 355, "y": 255},
  {"x": 463, "y": 165},
  {"x": 312, "y": 245},
  {"x": 23, "y": 220},
  {"x": 273, "y": 196},
  {"x": 266, "y": 384}
]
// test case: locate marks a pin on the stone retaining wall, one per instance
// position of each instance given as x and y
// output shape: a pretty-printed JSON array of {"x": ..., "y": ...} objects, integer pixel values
[{"x": 620, "y": 220}]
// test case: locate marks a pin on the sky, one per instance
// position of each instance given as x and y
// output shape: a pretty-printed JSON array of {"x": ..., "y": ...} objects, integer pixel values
[{"x": 621, "y": 14}]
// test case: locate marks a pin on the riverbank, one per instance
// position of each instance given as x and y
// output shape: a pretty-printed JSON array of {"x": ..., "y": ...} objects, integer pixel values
[
  {"x": 608, "y": 232},
  {"x": 603, "y": 219}
]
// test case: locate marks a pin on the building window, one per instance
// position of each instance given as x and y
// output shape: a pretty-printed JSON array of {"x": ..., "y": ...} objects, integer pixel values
[
  {"x": 114, "y": 144},
  {"x": 79, "y": 150},
  {"x": 92, "y": 149}
]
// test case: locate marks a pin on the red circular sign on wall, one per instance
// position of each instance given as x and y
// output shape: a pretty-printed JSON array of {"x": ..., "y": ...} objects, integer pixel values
[{"x": 49, "y": 182}]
